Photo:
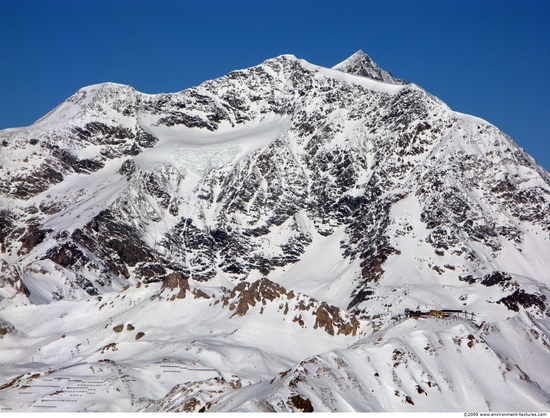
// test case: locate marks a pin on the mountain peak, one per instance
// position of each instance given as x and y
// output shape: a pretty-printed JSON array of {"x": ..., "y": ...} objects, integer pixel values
[{"x": 361, "y": 64}]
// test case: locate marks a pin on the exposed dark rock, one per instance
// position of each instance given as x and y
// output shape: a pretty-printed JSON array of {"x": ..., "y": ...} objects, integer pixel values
[
  {"x": 301, "y": 403},
  {"x": 360, "y": 296},
  {"x": 520, "y": 298},
  {"x": 468, "y": 279},
  {"x": 71, "y": 163},
  {"x": 190, "y": 121},
  {"x": 7, "y": 224},
  {"x": 149, "y": 272},
  {"x": 66, "y": 255},
  {"x": 119, "y": 237},
  {"x": 33, "y": 236},
  {"x": 496, "y": 277},
  {"x": 144, "y": 139},
  {"x": 109, "y": 134},
  {"x": 41, "y": 179},
  {"x": 127, "y": 168}
]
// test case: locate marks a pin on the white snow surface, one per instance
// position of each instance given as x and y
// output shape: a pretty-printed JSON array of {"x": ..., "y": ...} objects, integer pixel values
[
  {"x": 324, "y": 331},
  {"x": 201, "y": 151}
]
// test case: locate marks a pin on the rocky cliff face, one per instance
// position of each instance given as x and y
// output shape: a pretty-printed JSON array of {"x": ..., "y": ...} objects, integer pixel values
[{"x": 361, "y": 191}]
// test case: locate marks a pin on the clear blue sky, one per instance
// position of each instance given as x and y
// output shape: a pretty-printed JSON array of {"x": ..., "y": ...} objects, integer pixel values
[{"x": 484, "y": 57}]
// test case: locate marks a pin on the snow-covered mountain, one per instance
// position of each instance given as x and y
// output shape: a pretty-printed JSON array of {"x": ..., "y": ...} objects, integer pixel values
[{"x": 253, "y": 243}]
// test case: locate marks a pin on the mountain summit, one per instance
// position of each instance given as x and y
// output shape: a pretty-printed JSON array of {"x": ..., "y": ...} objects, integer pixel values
[
  {"x": 286, "y": 237},
  {"x": 361, "y": 64}
]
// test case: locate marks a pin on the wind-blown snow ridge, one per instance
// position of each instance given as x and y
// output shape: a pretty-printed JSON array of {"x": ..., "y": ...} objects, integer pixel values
[
  {"x": 252, "y": 244},
  {"x": 367, "y": 83}
]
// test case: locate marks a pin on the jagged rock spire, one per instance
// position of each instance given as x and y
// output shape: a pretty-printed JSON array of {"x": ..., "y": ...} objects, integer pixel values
[{"x": 361, "y": 64}]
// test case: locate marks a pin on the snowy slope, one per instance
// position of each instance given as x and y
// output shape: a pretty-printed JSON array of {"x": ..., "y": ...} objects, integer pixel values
[
  {"x": 252, "y": 244},
  {"x": 406, "y": 368}
]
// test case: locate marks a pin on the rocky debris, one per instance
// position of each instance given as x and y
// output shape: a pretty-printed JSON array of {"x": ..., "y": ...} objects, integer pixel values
[
  {"x": 180, "y": 109},
  {"x": 101, "y": 133},
  {"x": 121, "y": 239},
  {"x": 118, "y": 328},
  {"x": 66, "y": 255},
  {"x": 6, "y": 328},
  {"x": 49, "y": 153},
  {"x": 360, "y": 296},
  {"x": 499, "y": 190},
  {"x": 128, "y": 168},
  {"x": 18, "y": 381},
  {"x": 199, "y": 294}
]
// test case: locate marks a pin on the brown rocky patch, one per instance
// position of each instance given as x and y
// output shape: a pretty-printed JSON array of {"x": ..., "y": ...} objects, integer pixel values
[
  {"x": 6, "y": 328},
  {"x": 111, "y": 346},
  {"x": 303, "y": 404},
  {"x": 176, "y": 280},
  {"x": 329, "y": 317},
  {"x": 248, "y": 295}
]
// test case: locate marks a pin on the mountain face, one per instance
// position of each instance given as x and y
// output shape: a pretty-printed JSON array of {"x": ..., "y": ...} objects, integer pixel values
[{"x": 251, "y": 244}]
